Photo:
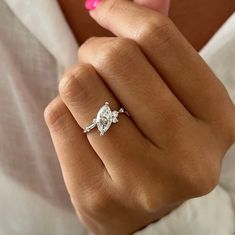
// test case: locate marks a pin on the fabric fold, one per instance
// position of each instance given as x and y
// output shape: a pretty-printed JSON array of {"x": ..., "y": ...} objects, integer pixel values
[{"x": 45, "y": 20}]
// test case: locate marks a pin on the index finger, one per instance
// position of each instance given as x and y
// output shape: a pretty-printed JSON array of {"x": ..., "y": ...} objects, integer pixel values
[{"x": 183, "y": 70}]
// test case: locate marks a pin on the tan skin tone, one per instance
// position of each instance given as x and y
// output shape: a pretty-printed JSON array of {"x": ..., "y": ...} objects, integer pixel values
[
  {"x": 172, "y": 146},
  {"x": 187, "y": 15}
]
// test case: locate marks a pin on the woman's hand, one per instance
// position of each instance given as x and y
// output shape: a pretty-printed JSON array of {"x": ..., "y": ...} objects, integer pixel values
[{"x": 172, "y": 146}]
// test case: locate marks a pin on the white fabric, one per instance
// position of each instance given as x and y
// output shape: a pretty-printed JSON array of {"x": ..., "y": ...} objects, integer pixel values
[
  {"x": 36, "y": 44},
  {"x": 47, "y": 23}
]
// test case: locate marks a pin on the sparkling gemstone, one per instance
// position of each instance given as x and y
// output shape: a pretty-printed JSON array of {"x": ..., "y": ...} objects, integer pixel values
[
  {"x": 104, "y": 119},
  {"x": 114, "y": 116}
]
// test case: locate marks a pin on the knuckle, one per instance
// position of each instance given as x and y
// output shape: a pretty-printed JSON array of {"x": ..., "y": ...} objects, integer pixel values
[
  {"x": 89, "y": 40},
  {"x": 149, "y": 197},
  {"x": 83, "y": 48},
  {"x": 124, "y": 50},
  {"x": 115, "y": 54},
  {"x": 74, "y": 87},
  {"x": 97, "y": 203},
  {"x": 206, "y": 183},
  {"x": 55, "y": 114},
  {"x": 110, "y": 51},
  {"x": 159, "y": 29},
  {"x": 149, "y": 202},
  {"x": 201, "y": 180}
]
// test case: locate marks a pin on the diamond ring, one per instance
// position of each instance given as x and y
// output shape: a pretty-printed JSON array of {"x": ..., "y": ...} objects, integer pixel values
[{"x": 104, "y": 119}]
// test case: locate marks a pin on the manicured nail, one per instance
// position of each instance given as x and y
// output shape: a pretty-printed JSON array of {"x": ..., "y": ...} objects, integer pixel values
[{"x": 91, "y": 4}]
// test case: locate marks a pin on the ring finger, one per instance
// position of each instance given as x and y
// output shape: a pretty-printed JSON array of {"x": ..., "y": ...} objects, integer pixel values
[{"x": 83, "y": 92}]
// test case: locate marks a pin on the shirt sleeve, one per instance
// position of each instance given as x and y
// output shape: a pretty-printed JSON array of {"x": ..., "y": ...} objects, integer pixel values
[{"x": 211, "y": 214}]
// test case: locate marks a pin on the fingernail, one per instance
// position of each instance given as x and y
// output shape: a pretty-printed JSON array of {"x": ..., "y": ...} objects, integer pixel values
[{"x": 91, "y": 4}]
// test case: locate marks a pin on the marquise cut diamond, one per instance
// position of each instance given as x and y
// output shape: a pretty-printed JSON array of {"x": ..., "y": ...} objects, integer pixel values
[{"x": 104, "y": 119}]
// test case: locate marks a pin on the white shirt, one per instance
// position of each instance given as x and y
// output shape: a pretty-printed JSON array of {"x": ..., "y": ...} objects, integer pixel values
[{"x": 36, "y": 45}]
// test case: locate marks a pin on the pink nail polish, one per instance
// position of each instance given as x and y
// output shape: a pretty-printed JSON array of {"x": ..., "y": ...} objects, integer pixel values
[{"x": 91, "y": 4}]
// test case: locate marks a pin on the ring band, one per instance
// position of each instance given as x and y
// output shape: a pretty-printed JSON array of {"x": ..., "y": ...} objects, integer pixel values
[{"x": 104, "y": 119}]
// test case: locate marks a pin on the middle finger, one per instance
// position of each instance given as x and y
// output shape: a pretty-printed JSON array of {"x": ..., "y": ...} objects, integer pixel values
[{"x": 183, "y": 70}]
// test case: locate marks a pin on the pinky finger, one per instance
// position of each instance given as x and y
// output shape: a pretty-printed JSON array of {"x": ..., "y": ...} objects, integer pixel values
[{"x": 81, "y": 167}]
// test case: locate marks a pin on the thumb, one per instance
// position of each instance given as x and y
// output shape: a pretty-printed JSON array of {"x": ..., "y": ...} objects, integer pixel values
[{"x": 158, "y": 5}]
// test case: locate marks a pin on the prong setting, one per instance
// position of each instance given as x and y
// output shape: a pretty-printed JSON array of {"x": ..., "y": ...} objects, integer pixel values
[{"x": 104, "y": 119}]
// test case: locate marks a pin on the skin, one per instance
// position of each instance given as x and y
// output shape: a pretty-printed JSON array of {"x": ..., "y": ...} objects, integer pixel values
[
  {"x": 171, "y": 147},
  {"x": 187, "y": 15}
]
